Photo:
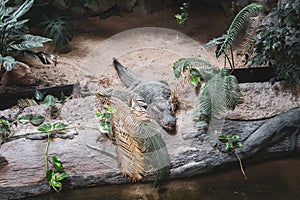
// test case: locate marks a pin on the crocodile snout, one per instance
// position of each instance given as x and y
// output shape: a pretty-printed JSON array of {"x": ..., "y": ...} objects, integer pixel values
[{"x": 169, "y": 124}]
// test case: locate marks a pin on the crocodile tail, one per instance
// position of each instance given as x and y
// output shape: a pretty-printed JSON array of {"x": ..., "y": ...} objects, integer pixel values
[{"x": 127, "y": 77}]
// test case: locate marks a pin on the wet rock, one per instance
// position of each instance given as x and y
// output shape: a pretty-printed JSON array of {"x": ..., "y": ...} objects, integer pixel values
[{"x": 19, "y": 75}]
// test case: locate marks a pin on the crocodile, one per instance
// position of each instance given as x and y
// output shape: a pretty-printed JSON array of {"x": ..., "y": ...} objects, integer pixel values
[{"x": 156, "y": 93}]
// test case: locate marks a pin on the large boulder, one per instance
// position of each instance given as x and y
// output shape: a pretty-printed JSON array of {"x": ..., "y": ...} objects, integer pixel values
[{"x": 91, "y": 162}]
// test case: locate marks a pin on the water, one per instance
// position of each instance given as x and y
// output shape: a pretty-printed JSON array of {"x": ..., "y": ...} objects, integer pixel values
[{"x": 270, "y": 180}]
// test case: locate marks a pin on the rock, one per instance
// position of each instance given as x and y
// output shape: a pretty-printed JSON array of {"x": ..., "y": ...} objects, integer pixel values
[
  {"x": 99, "y": 6},
  {"x": 264, "y": 100},
  {"x": 3, "y": 161},
  {"x": 126, "y": 5},
  {"x": 19, "y": 75},
  {"x": 91, "y": 163},
  {"x": 148, "y": 6}
]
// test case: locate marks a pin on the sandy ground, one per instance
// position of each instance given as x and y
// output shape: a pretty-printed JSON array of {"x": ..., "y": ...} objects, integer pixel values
[{"x": 137, "y": 40}]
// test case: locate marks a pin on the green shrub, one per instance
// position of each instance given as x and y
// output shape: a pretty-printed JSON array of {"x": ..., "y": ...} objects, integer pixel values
[
  {"x": 277, "y": 43},
  {"x": 13, "y": 34},
  {"x": 58, "y": 28}
]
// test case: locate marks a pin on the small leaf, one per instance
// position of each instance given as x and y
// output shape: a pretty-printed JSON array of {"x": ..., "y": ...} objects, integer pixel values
[
  {"x": 234, "y": 138},
  {"x": 25, "y": 119},
  {"x": 111, "y": 110},
  {"x": 60, "y": 125},
  {"x": 62, "y": 97},
  {"x": 50, "y": 100},
  {"x": 194, "y": 72},
  {"x": 238, "y": 145},
  {"x": 99, "y": 114},
  {"x": 57, "y": 186},
  {"x": 106, "y": 106},
  {"x": 105, "y": 127},
  {"x": 223, "y": 138},
  {"x": 178, "y": 16},
  {"x": 194, "y": 81},
  {"x": 229, "y": 146},
  {"x": 61, "y": 176},
  {"x": 46, "y": 128},
  {"x": 57, "y": 164},
  {"x": 37, "y": 120},
  {"x": 107, "y": 116},
  {"x": 49, "y": 174},
  {"x": 38, "y": 95}
]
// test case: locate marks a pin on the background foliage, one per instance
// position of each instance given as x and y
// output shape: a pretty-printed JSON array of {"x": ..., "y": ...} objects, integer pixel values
[{"x": 277, "y": 43}]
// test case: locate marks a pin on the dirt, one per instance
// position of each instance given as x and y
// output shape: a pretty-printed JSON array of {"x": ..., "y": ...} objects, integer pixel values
[{"x": 93, "y": 32}]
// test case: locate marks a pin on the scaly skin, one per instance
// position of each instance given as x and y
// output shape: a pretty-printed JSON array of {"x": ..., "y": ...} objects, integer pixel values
[{"x": 157, "y": 95}]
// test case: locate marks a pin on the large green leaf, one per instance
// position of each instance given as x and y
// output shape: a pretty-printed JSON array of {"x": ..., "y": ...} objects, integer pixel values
[
  {"x": 30, "y": 42},
  {"x": 24, "y": 8},
  {"x": 4, "y": 12},
  {"x": 16, "y": 25},
  {"x": 221, "y": 92},
  {"x": 33, "y": 38},
  {"x": 26, "y": 45}
]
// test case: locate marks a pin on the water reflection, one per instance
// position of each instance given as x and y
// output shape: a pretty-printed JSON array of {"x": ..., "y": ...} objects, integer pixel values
[{"x": 271, "y": 180}]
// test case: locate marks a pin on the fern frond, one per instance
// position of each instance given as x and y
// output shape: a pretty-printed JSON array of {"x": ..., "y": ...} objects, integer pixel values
[
  {"x": 221, "y": 92},
  {"x": 129, "y": 152},
  {"x": 239, "y": 22},
  {"x": 155, "y": 152},
  {"x": 254, "y": 24},
  {"x": 205, "y": 69},
  {"x": 140, "y": 147}
]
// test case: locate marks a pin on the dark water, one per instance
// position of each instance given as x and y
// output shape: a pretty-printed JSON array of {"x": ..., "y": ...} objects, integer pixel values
[{"x": 271, "y": 180}]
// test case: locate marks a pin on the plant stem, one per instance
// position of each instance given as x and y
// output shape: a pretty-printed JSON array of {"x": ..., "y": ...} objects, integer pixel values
[
  {"x": 46, "y": 153},
  {"x": 232, "y": 57},
  {"x": 226, "y": 57},
  {"x": 241, "y": 164}
]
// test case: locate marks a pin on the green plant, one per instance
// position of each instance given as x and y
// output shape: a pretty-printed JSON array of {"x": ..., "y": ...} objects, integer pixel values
[
  {"x": 232, "y": 143},
  {"x": 35, "y": 120},
  {"x": 56, "y": 175},
  {"x": 277, "y": 43},
  {"x": 5, "y": 129},
  {"x": 58, "y": 28},
  {"x": 183, "y": 16},
  {"x": 105, "y": 116},
  {"x": 51, "y": 102},
  {"x": 243, "y": 19},
  {"x": 219, "y": 90},
  {"x": 13, "y": 36}
]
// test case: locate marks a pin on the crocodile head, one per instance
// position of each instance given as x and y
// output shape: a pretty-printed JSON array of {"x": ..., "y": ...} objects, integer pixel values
[{"x": 163, "y": 112}]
